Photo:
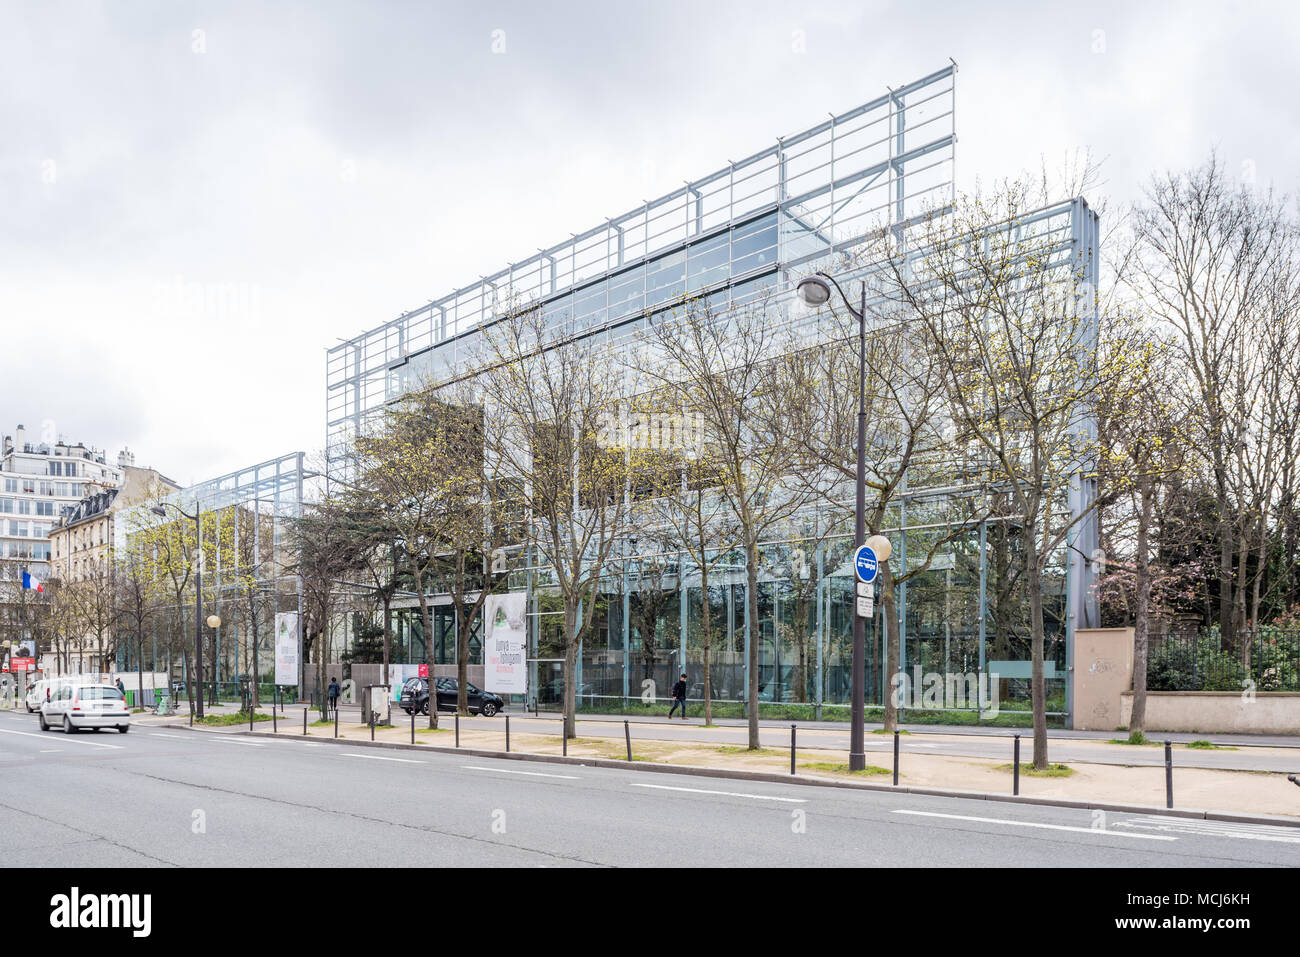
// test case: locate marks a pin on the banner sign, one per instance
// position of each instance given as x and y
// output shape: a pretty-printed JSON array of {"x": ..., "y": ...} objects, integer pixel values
[
  {"x": 22, "y": 664},
  {"x": 505, "y": 646},
  {"x": 286, "y": 648}
]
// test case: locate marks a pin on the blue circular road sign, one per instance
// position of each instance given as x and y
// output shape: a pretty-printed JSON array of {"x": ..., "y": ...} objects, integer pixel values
[{"x": 864, "y": 561}]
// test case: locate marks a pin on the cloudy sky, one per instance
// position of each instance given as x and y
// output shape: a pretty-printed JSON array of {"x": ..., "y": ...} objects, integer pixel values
[{"x": 199, "y": 198}]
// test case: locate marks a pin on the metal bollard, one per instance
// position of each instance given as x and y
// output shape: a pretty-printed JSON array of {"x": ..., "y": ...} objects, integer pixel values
[
  {"x": 792, "y": 740},
  {"x": 507, "y": 734},
  {"x": 413, "y": 726},
  {"x": 372, "y": 726},
  {"x": 304, "y": 720},
  {"x": 336, "y": 720},
  {"x": 1169, "y": 774},
  {"x": 1015, "y": 768},
  {"x": 275, "y": 724},
  {"x": 458, "y": 729},
  {"x": 627, "y": 736},
  {"x": 895, "y": 757},
  {"x": 564, "y": 736}
]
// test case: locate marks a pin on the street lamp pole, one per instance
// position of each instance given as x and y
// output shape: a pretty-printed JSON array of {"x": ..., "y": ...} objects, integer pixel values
[
  {"x": 815, "y": 291},
  {"x": 198, "y": 598}
]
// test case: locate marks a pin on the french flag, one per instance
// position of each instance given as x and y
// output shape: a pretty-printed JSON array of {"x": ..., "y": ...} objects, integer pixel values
[{"x": 31, "y": 581}]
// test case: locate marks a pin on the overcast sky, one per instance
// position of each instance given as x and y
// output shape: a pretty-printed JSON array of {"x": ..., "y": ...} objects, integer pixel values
[{"x": 199, "y": 198}]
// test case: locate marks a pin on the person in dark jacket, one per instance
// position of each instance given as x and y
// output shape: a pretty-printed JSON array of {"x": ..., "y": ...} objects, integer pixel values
[
  {"x": 334, "y": 694},
  {"x": 679, "y": 696}
]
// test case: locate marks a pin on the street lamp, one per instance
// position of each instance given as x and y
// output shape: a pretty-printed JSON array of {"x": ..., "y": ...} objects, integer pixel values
[
  {"x": 198, "y": 597},
  {"x": 815, "y": 291}
]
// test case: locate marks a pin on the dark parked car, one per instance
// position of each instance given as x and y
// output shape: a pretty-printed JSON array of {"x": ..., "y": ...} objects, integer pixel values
[{"x": 415, "y": 696}]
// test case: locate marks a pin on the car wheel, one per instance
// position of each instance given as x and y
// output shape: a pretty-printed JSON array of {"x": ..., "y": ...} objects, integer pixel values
[
  {"x": 424, "y": 708},
  {"x": 488, "y": 709},
  {"x": 407, "y": 710},
  {"x": 67, "y": 725},
  {"x": 124, "y": 728},
  {"x": 40, "y": 717}
]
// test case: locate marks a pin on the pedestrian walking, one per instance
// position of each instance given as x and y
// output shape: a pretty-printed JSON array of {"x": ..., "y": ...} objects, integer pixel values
[
  {"x": 334, "y": 694},
  {"x": 121, "y": 688},
  {"x": 679, "y": 696}
]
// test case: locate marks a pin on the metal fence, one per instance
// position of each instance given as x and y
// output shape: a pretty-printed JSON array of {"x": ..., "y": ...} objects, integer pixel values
[{"x": 1264, "y": 660}]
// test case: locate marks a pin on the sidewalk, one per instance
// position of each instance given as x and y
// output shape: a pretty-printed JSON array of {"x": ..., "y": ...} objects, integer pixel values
[{"x": 1229, "y": 791}]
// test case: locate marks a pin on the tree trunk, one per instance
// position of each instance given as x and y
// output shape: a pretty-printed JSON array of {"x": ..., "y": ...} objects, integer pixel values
[
  {"x": 430, "y": 658},
  {"x": 139, "y": 671},
  {"x": 387, "y": 599},
  {"x": 1141, "y": 627},
  {"x": 1225, "y": 576},
  {"x": 892, "y": 650},
  {"x": 1038, "y": 687},
  {"x": 570, "y": 666},
  {"x": 706, "y": 619},
  {"x": 755, "y": 634},
  {"x": 254, "y": 700},
  {"x": 463, "y": 624}
]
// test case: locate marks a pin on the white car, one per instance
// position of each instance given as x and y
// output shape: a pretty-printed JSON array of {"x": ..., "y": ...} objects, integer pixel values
[
  {"x": 36, "y": 693},
  {"x": 75, "y": 705}
]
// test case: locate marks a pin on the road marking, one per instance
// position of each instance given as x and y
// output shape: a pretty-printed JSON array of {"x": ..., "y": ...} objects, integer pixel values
[
  {"x": 531, "y": 774},
  {"x": 174, "y": 737},
  {"x": 247, "y": 744},
  {"x": 1233, "y": 829},
  {"x": 1049, "y": 827},
  {"x": 380, "y": 757},
  {"x": 734, "y": 794},
  {"x": 51, "y": 750},
  {"x": 70, "y": 739}
]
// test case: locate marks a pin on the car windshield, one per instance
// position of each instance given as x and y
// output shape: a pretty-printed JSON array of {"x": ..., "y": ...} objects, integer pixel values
[{"x": 414, "y": 684}]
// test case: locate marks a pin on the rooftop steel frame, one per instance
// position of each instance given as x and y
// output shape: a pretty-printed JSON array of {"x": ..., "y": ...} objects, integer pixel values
[{"x": 827, "y": 187}]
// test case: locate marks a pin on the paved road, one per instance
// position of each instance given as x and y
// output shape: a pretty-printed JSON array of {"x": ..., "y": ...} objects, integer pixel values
[{"x": 139, "y": 799}]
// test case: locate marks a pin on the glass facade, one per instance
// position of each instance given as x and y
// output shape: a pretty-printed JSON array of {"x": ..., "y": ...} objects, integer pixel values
[{"x": 751, "y": 230}]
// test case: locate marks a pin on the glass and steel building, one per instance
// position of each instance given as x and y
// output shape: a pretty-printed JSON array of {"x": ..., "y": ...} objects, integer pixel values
[{"x": 747, "y": 231}]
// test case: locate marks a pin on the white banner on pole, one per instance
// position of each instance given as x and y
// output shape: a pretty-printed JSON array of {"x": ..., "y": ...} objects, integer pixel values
[
  {"x": 505, "y": 647},
  {"x": 286, "y": 648}
]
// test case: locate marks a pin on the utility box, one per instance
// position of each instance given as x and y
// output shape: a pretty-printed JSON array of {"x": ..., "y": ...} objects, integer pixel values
[{"x": 377, "y": 700}]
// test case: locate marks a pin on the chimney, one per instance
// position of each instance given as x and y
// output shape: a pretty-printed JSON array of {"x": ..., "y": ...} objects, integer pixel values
[
  {"x": 20, "y": 439},
  {"x": 125, "y": 458}
]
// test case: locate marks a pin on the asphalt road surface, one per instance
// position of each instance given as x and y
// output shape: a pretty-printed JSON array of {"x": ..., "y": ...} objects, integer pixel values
[{"x": 172, "y": 797}]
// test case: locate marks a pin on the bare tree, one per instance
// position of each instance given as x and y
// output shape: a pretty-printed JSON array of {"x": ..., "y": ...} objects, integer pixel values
[
  {"x": 739, "y": 378},
  {"x": 1014, "y": 325},
  {"x": 546, "y": 396},
  {"x": 1212, "y": 257}
]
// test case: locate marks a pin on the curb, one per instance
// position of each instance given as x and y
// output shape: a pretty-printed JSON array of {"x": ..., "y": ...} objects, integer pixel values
[{"x": 802, "y": 780}]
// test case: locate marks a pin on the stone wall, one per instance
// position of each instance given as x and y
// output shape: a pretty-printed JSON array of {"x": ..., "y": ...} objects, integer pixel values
[{"x": 1218, "y": 712}]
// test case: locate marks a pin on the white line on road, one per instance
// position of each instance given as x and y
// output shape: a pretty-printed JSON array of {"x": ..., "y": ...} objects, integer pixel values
[
  {"x": 175, "y": 737},
  {"x": 247, "y": 744},
  {"x": 379, "y": 757},
  {"x": 70, "y": 740},
  {"x": 531, "y": 774},
  {"x": 51, "y": 750},
  {"x": 734, "y": 794},
  {"x": 1050, "y": 827},
  {"x": 1241, "y": 832}
]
